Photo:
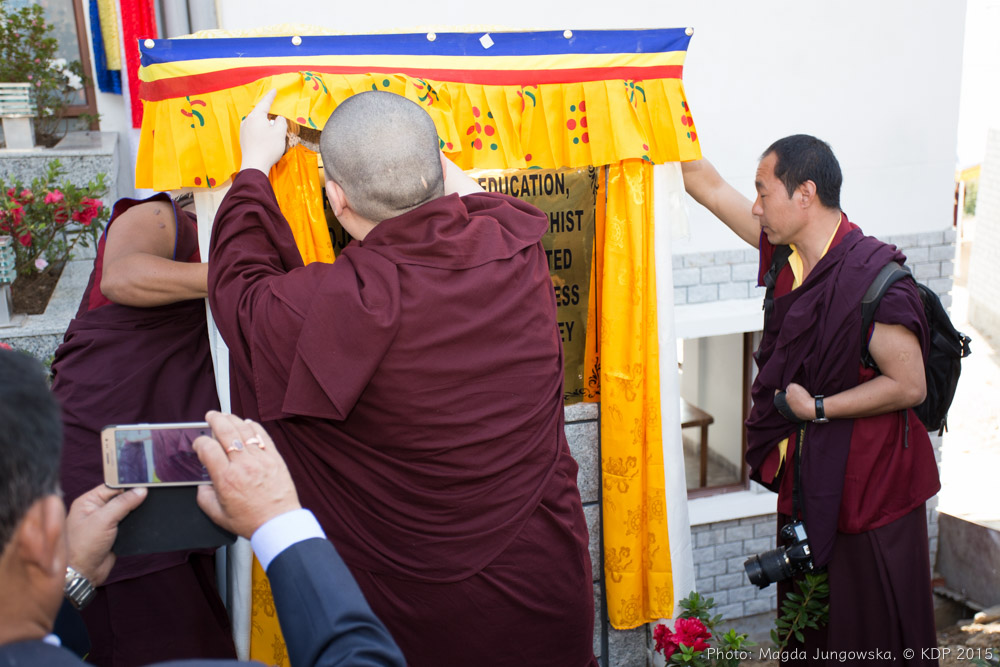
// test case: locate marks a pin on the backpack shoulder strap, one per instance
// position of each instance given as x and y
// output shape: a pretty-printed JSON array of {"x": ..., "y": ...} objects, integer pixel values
[
  {"x": 778, "y": 261},
  {"x": 889, "y": 274}
]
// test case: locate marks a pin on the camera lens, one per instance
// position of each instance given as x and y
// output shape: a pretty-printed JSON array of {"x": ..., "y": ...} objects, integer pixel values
[{"x": 768, "y": 567}]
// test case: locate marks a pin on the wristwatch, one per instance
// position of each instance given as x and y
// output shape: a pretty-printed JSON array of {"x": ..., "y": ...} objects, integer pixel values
[
  {"x": 820, "y": 412},
  {"x": 78, "y": 589}
]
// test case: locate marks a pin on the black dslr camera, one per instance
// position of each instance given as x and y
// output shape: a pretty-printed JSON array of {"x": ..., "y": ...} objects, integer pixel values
[{"x": 781, "y": 563}]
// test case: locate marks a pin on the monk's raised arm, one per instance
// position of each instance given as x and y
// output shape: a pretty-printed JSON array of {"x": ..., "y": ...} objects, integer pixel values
[
  {"x": 706, "y": 185},
  {"x": 139, "y": 264}
]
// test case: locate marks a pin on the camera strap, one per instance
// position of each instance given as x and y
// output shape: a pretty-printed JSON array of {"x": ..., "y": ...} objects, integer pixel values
[{"x": 797, "y": 503}]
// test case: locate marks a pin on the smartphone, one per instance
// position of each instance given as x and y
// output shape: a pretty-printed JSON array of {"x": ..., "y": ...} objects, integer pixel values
[{"x": 153, "y": 455}]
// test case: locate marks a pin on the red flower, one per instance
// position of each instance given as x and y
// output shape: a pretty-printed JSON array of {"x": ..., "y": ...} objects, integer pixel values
[
  {"x": 5, "y": 346},
  {"x": 26, "y": 239},
  {"x": 54, "y": 197},
  {"x": 91, "y": 207},
  {"x": 26, "y": 195},
  {"x": 692, "y": 632},
  {"x": 16, "y": 216},
  {"x": 665, "y": 641},
  {"x": 688, "y": 631}
]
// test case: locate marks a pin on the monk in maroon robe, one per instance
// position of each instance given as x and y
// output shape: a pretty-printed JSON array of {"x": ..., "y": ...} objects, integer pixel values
[
  {"x": 174, "y": 458},
  {"x": 137, "y": 351},
  {"x": 414, "y": 388},
  {"x": 867, "y": 463}
]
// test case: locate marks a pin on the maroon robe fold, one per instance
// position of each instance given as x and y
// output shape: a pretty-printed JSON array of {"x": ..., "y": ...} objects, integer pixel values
[
  {"x": 414, "y": 387},
  {"x": 123, "y": 365}
]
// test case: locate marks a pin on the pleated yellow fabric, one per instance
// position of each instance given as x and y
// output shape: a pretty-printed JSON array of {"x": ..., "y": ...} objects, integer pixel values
[
  {"x": 637, "y": 569},
  {"x": 193, "y": 141},
  {"x": 295, "y": 179}
]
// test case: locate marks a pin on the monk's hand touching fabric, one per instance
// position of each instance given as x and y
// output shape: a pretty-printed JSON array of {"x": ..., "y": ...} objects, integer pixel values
[
  {"x": 262, "y": 139},
  {"x": 800, "y": 401},
  {"x": 250, "y": 482}
]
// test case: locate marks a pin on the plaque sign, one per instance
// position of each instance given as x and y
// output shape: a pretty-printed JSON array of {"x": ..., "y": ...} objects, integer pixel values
[{"x": 569, "y": 198}]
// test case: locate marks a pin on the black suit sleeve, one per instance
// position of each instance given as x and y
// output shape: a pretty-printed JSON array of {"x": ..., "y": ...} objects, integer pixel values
[{"x": 323, "y": 614}]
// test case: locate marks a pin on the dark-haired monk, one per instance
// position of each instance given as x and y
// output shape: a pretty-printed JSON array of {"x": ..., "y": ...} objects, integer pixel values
[
  {"x": 137, "y": 351},
  {"x": 867, "y": 463},
  {"x": 414, "y": 387}
]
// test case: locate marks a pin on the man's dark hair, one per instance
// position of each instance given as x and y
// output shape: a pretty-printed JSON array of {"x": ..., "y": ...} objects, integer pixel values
[
  {"x": 801, "y": 158},
  {"x": 30, "y": 439},
  {"x": 384, "y": 151}
]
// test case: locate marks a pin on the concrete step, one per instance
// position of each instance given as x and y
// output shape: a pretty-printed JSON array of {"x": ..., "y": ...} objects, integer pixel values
[{"x": 969, "y": 558}]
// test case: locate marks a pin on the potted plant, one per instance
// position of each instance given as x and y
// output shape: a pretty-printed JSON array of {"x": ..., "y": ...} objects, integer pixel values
[{"x": 47, "y": 220}]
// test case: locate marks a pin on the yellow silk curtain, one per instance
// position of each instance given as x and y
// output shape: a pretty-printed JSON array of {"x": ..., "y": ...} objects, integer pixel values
[
  {"x": 296, "y": 187},
  {"x": 637, "y": 564}
]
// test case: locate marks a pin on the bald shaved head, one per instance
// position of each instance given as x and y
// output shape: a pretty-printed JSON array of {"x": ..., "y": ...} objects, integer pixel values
[{"x": 383, "y": 150}]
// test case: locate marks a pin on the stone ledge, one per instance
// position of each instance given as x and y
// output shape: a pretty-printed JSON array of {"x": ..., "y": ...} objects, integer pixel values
[{"x": 40, "y": 335}]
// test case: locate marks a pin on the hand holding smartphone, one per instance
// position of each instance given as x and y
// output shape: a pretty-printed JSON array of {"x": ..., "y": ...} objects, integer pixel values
[{"x": 153, "y": 455}]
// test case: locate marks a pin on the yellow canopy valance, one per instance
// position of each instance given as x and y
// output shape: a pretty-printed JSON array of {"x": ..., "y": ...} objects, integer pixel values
[{"x": 545, "y": 99}]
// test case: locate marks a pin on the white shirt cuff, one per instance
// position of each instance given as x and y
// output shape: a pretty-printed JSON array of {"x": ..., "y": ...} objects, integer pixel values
[{"x": 282, "y": 532}]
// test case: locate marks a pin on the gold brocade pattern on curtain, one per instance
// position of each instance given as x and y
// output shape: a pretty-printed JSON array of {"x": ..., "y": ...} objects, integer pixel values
[{"x": 637, "y": 567}]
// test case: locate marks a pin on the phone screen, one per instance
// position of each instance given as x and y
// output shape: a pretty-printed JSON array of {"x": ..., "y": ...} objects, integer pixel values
[{"x": 151, "y": 455}]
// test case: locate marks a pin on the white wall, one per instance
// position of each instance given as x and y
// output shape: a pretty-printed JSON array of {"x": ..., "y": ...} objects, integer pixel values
[
  {"x": 878, "y": 80},
  {"x": 980, "y": 101}
]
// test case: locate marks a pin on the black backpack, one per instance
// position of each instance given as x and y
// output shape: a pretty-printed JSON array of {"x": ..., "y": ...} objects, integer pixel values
[{"x": 948, "y": 346}]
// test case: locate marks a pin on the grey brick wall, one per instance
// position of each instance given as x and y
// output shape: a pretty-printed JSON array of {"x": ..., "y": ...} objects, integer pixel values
[
  {"x": 719, "y": 553},
  {"x": 705, "y": 277}
]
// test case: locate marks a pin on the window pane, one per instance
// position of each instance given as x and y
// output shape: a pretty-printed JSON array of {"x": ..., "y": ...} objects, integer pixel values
[
  {"x": 713, "y": 395},
  {"x": 61, "y": 15}
]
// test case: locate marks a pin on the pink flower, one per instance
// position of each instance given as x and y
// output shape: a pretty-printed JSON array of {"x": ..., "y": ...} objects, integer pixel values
[
  {"x": 40, "y": 264},
  {"x": 54, "y": 197},
  {"x": 26, "y": 194}
]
